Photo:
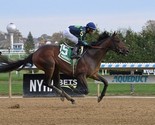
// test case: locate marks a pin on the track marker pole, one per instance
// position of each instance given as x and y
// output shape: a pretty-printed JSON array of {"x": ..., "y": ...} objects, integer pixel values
[{"x": 10, "y": 87}]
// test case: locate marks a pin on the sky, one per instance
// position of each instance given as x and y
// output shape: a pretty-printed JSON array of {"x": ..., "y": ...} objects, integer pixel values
[{"x": 51, "y": 16}]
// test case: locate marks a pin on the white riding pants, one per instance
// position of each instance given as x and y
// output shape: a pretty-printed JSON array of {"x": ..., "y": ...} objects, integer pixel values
[{"x": 71, "y": 37}]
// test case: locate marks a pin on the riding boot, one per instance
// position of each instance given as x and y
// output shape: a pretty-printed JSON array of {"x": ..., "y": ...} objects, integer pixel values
[{"x": 75, "y": 52}]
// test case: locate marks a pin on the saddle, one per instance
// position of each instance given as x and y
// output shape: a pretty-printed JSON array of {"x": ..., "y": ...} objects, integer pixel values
[{"x": 66, "y": 52}]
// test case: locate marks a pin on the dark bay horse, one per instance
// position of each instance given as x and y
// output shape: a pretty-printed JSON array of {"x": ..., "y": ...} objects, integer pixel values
[{"x": 46, "y": 59}]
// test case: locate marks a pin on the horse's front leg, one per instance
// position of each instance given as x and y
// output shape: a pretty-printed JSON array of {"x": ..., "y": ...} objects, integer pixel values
[
  {"x": 105, "y": 82},
  {"x": 82, "y": 86}
]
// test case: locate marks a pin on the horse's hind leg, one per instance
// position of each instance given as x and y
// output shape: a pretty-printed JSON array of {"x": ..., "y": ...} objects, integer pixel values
[
  {"x": 50, "y": 69},
  {"x": 49, "y": 72},
  {"x": 56, "y": 82}
]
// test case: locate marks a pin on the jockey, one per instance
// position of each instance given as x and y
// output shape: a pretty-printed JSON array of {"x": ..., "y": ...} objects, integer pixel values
[{"x": 77, "y": 35}]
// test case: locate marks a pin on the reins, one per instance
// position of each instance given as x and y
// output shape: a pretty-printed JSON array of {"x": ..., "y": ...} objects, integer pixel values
[{"x": 97, "y": 47}]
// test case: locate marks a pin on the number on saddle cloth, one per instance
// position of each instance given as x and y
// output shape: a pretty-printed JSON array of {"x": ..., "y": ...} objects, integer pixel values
[{"x": 65, "y": 53}]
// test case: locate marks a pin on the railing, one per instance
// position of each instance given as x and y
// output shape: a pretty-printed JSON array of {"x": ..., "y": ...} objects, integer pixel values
[
  {"x": 7, "y": 52},
  {"x": 127, "y": 66},
  {"x": 131, "y": 78}
]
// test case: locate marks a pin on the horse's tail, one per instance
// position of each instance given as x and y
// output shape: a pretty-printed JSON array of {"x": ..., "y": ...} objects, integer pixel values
[{"x": 15, "y": 65}]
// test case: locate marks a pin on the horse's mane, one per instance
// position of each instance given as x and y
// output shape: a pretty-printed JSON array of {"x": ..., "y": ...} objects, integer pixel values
[{"x": 101, "y": 38}]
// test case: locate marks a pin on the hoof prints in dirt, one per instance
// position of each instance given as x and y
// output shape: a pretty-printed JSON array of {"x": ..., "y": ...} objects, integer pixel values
[{"x": 16, "y": 106}]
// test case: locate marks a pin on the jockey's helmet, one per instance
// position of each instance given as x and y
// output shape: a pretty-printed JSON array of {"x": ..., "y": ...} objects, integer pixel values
[{"x": 91, "y": 25}]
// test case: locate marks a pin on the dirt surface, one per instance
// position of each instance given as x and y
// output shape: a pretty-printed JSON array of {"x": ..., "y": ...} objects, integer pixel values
[{"x": 86, "y": 111}]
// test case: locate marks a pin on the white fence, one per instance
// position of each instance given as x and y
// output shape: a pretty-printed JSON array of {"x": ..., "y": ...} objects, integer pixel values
[
  {"x": 129, "y": 66},
  {"x": 7, "y": 51}
]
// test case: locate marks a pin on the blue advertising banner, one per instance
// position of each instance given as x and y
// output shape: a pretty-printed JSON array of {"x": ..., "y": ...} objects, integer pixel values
[
  {"x": 128, "y": 79},
  {"x": 33, "y": 86}
]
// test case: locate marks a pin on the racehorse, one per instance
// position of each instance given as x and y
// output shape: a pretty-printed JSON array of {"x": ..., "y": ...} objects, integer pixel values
[{"x": 46, "y": 59}]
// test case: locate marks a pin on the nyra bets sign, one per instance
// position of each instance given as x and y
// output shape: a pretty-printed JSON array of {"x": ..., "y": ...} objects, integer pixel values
[{"x": 33, "y": 85}]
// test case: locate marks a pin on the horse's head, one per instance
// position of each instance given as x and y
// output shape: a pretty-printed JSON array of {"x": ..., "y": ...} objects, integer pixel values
[
  {"x": 110, "y": 42},
  {"x": 118, "y": 45}
]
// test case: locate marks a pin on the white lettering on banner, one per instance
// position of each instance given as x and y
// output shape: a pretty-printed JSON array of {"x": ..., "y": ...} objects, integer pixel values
[
  {"x": 66, "y": 82},
  {"x": 36, "y": 85},
  {"x": 126, "y": 78},
  {"x": 149, "y": 71},
  {"x": 44, "y": 88},
  {"x": 39, "y": 84},
  {"x": 32, "y": 85}
]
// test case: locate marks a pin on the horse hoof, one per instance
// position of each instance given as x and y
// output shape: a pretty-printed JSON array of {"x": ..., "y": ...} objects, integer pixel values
[
  {"x": 73, "y": 101},
  {"x": 99, "y": 99},
  {"x": 62, "y": 99}
]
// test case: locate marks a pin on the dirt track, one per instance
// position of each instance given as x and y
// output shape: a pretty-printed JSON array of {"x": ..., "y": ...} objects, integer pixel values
[{"x": 86, "y": 111}]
